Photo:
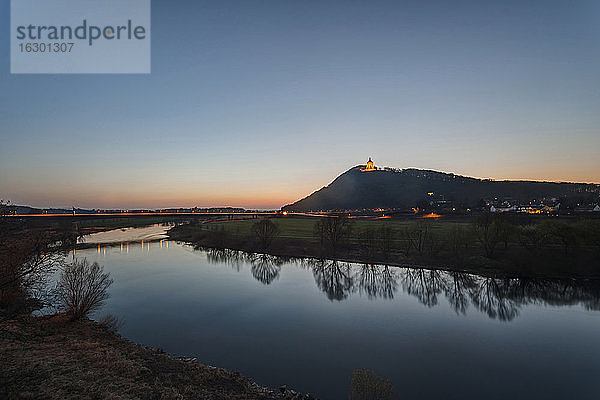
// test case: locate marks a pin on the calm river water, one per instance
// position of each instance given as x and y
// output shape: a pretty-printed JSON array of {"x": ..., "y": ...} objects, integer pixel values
[{"x": 309, "y": 324}]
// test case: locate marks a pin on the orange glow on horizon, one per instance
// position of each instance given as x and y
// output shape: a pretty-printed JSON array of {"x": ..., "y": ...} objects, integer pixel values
[{"x": 140, "y": 214}]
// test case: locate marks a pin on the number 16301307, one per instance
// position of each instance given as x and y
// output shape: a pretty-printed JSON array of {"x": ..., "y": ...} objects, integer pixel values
[{"x": 46, "y": 47}]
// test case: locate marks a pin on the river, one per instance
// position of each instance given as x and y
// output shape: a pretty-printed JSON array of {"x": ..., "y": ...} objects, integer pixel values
[{"x": 309, "y": 323}]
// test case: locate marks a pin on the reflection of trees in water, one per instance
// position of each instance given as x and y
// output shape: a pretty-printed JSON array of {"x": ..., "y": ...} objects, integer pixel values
[
  {"x": 488, "y": 295},
  {"x": 377, "y": 281},
  {"x": 558, "y": 292},
  {"x": 367, "y": 280},
  {"x": 457, "y": 288},
  {"x": 492, "y": 296},
  {"x": 499, "y": 298},
  {"x": 334, "y": 278},
  {"x": 424, "y": 284},
  {"x": 339, "y": 279},
  {"x": 265, "y": 268},
  {"x": 388, "y": 282},
  {"x": 234, "y": 258}
]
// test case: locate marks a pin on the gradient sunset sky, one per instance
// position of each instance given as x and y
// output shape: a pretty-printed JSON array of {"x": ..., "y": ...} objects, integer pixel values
[{"x": 259, "y": 103}]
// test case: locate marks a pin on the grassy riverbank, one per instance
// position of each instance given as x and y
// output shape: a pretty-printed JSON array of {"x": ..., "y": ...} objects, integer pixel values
[
  {"x": 52, "y": 358},
  {"x": 547, "y": 248}
]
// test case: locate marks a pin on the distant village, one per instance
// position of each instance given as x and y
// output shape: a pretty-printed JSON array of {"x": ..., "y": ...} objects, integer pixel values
[
  {"x": 549, "y": 206},
  {"x": 435, "y": 204}
]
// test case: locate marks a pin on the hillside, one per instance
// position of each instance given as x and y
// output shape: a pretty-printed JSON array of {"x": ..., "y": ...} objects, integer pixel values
[{"x": 392, "y": 188}]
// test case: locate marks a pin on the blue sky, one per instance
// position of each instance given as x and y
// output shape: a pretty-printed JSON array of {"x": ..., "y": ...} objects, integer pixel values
[{"x": 257, "y": 104}]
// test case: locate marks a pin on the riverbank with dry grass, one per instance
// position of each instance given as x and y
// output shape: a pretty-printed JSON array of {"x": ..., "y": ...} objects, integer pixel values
[{"x": 53, "y": 358}]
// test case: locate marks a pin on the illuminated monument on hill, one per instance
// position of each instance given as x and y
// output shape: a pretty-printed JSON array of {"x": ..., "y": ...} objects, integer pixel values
[{"x": 370, "y": 166}]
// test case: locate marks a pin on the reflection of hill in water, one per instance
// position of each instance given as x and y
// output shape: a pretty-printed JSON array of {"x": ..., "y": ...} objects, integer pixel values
[{"x": 499, "y": 298}]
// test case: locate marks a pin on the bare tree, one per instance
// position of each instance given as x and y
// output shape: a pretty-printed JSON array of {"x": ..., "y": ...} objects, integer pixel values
[
  {"x": 420, "y": 237},
  {"x": 320, "y": 233},
  {"x": 492, "y": 229},
  {"x": 386, "y": 237},
  {"x": 368, "y": 245},
  {"x": 265, "y": 231},
  {"x": 459, "y": 241},
  {"x": 82, "y": 288},
  {"x": 333, "y": 230},
  {"x": 566, "y": 234}
]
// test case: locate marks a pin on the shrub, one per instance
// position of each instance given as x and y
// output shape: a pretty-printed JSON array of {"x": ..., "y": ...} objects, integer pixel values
[
  {"x": 366, "y": 385},
  {"x": 111, "y": 323},
  {"x": 82, "y": 288},
  {"x": 421, "y": 238}
]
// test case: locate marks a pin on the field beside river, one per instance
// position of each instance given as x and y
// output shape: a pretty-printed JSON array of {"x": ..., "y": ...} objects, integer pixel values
[{"x": 547, "y": 247}]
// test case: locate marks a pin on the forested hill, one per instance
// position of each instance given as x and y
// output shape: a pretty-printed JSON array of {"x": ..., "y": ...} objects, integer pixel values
[{"x": 392, "y": 188}]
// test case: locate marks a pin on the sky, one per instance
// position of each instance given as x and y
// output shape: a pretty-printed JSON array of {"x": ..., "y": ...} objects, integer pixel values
[{"x": 259, "y": 103}]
